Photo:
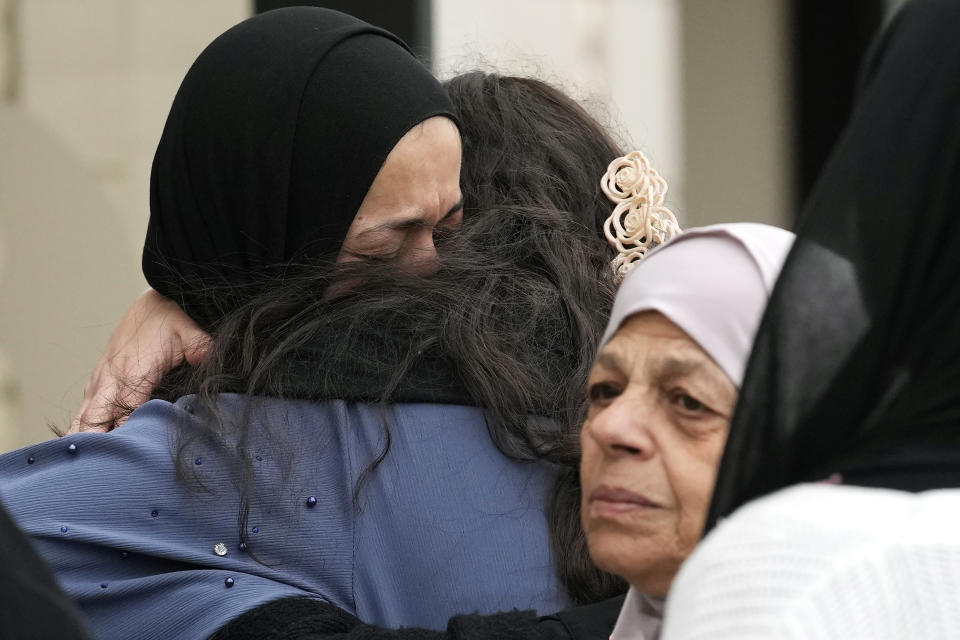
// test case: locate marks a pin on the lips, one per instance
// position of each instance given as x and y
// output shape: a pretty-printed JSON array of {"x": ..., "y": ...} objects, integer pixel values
[{"x": 606, "y": 500}]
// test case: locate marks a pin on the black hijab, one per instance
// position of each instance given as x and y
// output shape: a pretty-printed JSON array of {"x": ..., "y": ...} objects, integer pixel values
[
  {"x": 856, "y": 367},
  {"x": 273, "y": 140}
]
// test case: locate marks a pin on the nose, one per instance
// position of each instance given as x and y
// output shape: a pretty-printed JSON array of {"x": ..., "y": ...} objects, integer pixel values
[{"x": 622, "y": 429}]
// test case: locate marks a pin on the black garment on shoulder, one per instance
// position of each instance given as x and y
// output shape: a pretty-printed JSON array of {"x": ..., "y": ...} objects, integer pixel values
[
  {"x": 308, "y": 619},
  {"x": 32, "y": 606}
]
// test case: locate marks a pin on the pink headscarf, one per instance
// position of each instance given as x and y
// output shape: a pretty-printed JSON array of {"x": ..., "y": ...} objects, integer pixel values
[{"x": 712, "y": 282}]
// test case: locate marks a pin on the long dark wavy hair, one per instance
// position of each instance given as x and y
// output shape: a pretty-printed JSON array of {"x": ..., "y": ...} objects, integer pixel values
[{"x": 513, "y": 316}]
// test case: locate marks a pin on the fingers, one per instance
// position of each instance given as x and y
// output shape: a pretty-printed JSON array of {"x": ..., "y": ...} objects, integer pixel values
[
  {"x": 108, "y": 399},
  {"x": 89, "y": 418},
  {"x": 194, "y": 341},
  {"x": 153, "y": 337},
  {"x": 82, "y": 423}
]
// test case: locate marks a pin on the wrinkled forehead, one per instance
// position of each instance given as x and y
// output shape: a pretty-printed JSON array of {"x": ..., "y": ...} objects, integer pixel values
[{"x": 649, "y": 344}]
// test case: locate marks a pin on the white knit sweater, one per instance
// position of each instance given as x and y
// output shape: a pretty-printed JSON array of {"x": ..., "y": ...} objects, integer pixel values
[{"x": 825, "y": 561}]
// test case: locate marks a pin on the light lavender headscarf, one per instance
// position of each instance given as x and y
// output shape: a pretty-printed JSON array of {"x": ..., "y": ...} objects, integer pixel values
[{"x": 713, "y": 282}]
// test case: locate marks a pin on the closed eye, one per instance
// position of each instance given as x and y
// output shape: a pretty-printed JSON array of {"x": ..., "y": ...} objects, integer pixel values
[{"x": 374, "y": 255}]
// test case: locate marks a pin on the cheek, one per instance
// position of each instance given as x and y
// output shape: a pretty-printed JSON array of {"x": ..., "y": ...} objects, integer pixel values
[{"x": 692, "y": 476}]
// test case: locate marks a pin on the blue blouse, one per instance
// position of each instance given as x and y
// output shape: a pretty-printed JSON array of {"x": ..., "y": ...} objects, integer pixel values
[{"x": 445, "y": 525}]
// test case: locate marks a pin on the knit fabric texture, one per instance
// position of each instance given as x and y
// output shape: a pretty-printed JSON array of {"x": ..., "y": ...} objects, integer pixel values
[{"x": 823, "y": 561}]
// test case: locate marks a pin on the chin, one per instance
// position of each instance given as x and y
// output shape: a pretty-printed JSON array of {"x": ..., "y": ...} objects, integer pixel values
[
  {"x": 624, "y": 555},
  {"x": 612, "y": 550}
]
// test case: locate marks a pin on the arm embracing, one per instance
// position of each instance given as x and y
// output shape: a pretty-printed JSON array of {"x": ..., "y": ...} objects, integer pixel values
[{"x": 153, "y": 337}]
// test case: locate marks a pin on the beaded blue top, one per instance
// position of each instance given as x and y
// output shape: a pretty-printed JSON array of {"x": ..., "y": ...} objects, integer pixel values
[{"x": 445, "y": 525}]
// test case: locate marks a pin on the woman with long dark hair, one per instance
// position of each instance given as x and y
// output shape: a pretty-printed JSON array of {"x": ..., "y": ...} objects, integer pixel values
[{"x": 357, "y": 431}]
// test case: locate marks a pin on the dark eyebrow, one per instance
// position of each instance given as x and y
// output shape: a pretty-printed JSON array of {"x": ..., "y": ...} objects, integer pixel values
[
  {"x": 610, "y": 361},
  {"x": 410, "y": 223},
  {"x": 677, "y": 368}
]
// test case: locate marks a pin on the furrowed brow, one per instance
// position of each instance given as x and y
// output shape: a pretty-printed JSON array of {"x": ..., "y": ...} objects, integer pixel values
[
  {"x": 394, "y": 225},
  {"x": 409, "y": 223},
  {"x": 610, "y": 361},
  {"x": 678, "y": 367}
]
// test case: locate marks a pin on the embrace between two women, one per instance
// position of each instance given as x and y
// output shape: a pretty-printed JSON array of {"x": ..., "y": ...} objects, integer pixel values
[{"x": 386, "y": 418}]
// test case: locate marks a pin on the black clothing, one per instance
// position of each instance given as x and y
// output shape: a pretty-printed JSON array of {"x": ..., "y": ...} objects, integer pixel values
[
  {"x": 273, "y": 140},
  {"x": 856, "y": 366},
  {"x": 32, "y": 606},
  {"x": 592, "y": 621},
  {"x": 306, "y": 619},
  {"x": 369, "y": 366}
]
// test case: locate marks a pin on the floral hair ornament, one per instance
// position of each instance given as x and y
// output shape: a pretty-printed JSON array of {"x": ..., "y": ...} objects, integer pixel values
[{"x": 639, "y": 221}]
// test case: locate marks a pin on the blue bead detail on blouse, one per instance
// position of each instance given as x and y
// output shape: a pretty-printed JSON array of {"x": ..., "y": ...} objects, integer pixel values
[{"x": 400, "y": 561}]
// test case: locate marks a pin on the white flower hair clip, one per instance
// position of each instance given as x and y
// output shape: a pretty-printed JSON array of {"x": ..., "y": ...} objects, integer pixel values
[{"x": 639, "y": 221}]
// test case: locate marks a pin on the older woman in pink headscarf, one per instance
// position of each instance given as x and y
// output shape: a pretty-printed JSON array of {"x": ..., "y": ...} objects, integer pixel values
[{"x": 661, "y": 392}]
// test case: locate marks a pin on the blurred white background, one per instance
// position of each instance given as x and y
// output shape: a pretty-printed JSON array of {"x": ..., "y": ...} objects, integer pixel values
[{"x": 702, "y": 86}]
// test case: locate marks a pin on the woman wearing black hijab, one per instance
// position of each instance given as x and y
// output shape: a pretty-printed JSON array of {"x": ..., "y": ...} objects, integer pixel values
[
  {"x": 854, "y": 380},
  {"x": 307, "y": 159},
  {"x": 299, "y": 137}
]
